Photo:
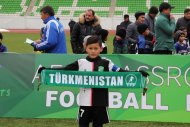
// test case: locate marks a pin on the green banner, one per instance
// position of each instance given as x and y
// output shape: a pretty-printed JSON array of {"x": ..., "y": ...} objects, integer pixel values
[
  {"x": 93, "y": 79},
  {"x": 167, "y": 98}
]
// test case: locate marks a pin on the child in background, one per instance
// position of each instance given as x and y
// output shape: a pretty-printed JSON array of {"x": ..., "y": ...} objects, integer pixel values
[
  {"x": 93, "y": 102},
  {"x": 184, "y": 30},
  {"x": 103, "y": 34},
  {"x": 144, "y": 46},
  {"x": 2, "y": 47},
  {"x": 120, "y": 42},
  {"x": 180, "y": 46}
]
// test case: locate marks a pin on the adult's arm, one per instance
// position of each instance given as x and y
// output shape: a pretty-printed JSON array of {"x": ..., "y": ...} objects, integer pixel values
[
  {"x": 75, "y": 37},
  {"x": 129, "y": 33},
  {"x": 51, "y": 40},
  {"x": 167, "y": 27}
]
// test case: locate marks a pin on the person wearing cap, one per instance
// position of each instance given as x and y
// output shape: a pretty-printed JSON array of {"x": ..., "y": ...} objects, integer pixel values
[
  {"x": 143, "y": 46},
  {"x": 183, "y": 21},
  {"x": 120, "y": 43},
  {"x": 132, "y": 32},
  {"x": 164, "y": 30}
]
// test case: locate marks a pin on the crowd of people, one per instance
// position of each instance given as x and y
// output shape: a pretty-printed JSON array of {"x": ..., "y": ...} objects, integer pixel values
[
  {"x": 151, "y": 35},
  {"x": 147, "y": 35}
]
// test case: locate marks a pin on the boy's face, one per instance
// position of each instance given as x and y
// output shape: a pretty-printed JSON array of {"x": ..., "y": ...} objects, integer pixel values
[
  {"x": 141, "y": 19},
  {"x": 147, "y": 31},
  {"x": 181, "y": 38},
  {"x": 93, "y": 50}
]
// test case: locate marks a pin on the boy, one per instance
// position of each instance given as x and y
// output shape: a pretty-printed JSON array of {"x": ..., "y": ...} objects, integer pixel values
[
  {"x": 2, "y": 47},
  {"x": 144, "y": 46},
  {"x": 93, "y": 102},
  {"x": 120, "y": 43},
  {"x": 180, "y": 46}
]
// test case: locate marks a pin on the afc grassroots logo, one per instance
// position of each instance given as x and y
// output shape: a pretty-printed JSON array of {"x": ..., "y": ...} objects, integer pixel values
[{"x": 131, "y": 80}]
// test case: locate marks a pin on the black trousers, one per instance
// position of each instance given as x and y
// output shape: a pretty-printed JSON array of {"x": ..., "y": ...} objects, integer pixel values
[
  {"x": 93, "y": 125},
  {"x": 163, "y": 52}
]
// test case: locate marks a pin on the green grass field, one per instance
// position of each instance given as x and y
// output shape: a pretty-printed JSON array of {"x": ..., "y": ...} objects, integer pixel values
[
  {"x": 15, "y": 122},
  {"x": 15, "y": 43}
]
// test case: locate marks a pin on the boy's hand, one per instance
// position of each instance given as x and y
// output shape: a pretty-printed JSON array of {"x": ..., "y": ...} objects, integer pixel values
[
  {"x": 144, "y": 73},
  {"x": 41, "y": 69},
  {"x": 144, "y": 91},
  {"x": 34, "y": 45}
]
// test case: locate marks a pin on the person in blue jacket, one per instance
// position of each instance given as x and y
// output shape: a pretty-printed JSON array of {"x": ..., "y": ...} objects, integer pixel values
[{"x": 54, "y": 39}]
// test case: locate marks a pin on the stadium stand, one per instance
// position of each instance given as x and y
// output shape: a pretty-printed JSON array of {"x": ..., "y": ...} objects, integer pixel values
[
  {"x": 179, "y": 5},
  {"x": 133, "y": 5},
  {"x": 55, "y": 3},
  {"x": 27, "y": 2},
  {"x": 93, "y": 3},
  {"x": 10, "y": 6},
  {"x": 74, "y": 8},
  {"x": 37, "y": 2}
]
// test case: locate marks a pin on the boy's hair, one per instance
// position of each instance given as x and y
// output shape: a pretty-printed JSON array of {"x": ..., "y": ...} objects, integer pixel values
[
  {"x": 93, "y": 40},
  {"x": 186, "y": 10},
  {"x": 1, "y": 36},
  {"x": 179, "y": 34},
  {"x": 182, "y": 28},
  {"x": 48, "y": 9},
  {"x": 121, "y": 33},
  {"x": 142, "y": 28}
]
